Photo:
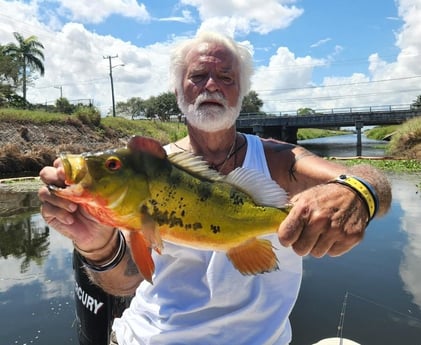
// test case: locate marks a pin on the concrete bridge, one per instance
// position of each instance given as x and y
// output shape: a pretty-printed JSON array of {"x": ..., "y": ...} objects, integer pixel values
[{"x": 285, "y": 127}]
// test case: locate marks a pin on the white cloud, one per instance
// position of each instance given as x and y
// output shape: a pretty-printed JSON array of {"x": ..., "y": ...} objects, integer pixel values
[
  {"x": 79, "y": 64},
  {"x": 248, "y": 16},
  {"x": 320, "y": 42},
  {"x": 186, "y": 18},
  {"x": 278, "y": 82},
  {"x": 96, "y": 11}
]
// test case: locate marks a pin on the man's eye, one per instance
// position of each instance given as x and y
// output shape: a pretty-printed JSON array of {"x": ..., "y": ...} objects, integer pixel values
[
  {"x": 227, "y": 80},
  {"x": 196, "y": 78}
]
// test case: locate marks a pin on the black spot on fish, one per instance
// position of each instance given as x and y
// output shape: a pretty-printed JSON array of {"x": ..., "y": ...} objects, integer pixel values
[
  {"x": 236, "y": 198},
  {"x": 164, "y": 217},
  {"x": 197, "y": 226},
  {"x": 215, "y": 228},
  {"x": 204, "y": 191}
]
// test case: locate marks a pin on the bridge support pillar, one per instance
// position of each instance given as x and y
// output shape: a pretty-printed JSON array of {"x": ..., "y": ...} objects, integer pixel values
[
  {"x": 259, "y": 130},
  {"x": 358, "y": 126},
  {"x": 289, "y": 134}
]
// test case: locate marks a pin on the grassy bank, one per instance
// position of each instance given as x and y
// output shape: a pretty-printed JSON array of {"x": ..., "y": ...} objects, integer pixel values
[
  {"x": 405, "y": 138},
  {"x": 313, "y": 133},
  {"x": 396, "y": 165},
  {"x": 162, "y": 131}
]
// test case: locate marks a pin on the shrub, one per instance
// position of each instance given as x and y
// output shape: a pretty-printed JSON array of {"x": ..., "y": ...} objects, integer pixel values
[{"x": 88, "y": 116}]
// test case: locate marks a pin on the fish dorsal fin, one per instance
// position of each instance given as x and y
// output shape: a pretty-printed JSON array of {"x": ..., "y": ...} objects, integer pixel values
[
  {"x": 148, "y": 145},
  {"x": 194, "y": 164},
  {"x": 263, "y": 190}
]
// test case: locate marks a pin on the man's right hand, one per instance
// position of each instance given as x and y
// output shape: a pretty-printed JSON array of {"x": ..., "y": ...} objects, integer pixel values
[{"x": 68, "y": 218}]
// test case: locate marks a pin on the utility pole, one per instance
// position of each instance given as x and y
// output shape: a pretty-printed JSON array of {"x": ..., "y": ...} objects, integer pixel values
[
  {"x": 111, "y": 79},
  {"x": 61, "y": 90}
]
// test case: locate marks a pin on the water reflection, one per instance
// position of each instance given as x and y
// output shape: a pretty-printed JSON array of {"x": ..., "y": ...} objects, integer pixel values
[
  {"x": 344, "y": 146},
  {"x": 410, "y": 267},
  {"x": 36, "y": 279}
]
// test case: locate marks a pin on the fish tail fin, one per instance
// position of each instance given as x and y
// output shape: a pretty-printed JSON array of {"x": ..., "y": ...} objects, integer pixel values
[
  {"x": 253, "y": 256},
  {"x": 142, "y": 255}
]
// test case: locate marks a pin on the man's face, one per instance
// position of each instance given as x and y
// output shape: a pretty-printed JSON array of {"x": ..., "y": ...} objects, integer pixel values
[{"x": 210, "y": 93}]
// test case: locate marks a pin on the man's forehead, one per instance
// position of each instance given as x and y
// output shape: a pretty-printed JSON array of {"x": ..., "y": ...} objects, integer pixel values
[{"x": 210, "y": 53}]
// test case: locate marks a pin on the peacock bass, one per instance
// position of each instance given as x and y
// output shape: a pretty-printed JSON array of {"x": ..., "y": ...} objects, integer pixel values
[{"x": 177, "y": 198}]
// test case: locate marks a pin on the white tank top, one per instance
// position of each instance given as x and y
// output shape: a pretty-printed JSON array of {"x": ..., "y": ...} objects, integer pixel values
[{"x": 199, "y": 298}]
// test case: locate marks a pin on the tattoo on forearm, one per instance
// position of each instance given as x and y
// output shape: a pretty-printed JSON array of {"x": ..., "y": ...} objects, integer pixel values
[
  {"x": 131, "y": 268},
  {"x": 292, "y": 170}
]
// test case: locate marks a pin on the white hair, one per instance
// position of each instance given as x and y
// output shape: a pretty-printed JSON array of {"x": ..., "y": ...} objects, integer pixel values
[{"x": 241, "y": 53}]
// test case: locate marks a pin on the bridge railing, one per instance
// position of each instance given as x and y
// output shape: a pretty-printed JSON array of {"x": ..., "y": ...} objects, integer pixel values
[{"x": 344, "y": 110}]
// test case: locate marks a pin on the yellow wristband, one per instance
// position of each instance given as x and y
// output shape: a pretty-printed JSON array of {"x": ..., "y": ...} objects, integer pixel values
[{"x": 364, "y": 190}]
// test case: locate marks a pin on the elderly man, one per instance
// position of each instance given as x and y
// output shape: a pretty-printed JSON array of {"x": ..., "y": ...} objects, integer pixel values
[{"x": 197, "y": 296}]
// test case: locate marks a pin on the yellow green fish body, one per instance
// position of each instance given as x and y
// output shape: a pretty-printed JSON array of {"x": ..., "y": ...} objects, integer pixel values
[{"x": 179, "y": 199}]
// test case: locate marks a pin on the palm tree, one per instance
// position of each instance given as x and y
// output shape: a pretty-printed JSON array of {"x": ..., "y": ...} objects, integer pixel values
[{"x": 29, "y": 56}]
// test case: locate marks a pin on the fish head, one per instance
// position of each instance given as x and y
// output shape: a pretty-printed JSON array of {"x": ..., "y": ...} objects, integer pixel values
[{"x": 111, "y": 182}]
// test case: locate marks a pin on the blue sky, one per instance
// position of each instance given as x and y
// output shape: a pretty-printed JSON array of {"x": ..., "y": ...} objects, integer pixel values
[{"x": 319, "y": 54}]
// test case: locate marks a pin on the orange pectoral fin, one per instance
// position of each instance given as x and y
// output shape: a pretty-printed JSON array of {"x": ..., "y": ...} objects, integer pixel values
[
  {"x": 253, "y": 256},
  {"x": 142, "y": 255},
  {"x": 150, "y": 230}
]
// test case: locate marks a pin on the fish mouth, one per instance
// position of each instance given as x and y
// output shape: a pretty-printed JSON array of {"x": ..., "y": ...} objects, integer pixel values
[{"x": 75, "y": 168}]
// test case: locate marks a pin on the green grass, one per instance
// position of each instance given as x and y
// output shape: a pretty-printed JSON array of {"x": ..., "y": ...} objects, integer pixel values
[
  {"x": 36, "y": 117},
  {"x": 312, "y": 133},
  {"x": 396, "y": 165},
  {"x": 165, "y": 132},
  {"x": 379, "y": 133}
]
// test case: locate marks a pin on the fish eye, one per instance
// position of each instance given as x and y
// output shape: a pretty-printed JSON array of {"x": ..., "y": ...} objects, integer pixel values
[{"x": 113, "y": 164}]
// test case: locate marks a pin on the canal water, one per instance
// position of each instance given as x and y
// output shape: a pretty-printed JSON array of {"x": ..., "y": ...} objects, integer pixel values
[
  {"x": 345, "y": 146},
  {"x": 374, "y": 291}
]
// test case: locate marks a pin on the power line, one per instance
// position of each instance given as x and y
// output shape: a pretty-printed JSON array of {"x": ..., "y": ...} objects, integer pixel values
[
  {"x": 331, "y": 97},
  {"x": 339, "y": 85},
  {"x": 83, "y": 82}
]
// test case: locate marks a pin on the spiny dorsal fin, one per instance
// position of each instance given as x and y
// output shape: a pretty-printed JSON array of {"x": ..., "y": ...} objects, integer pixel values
[
  {"x": 194, "y": 164},
  {"x": 263, "y": 190}
]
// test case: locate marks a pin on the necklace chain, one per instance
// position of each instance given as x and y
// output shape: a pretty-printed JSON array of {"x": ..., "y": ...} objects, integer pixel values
[{"x": 231, "y": 152}]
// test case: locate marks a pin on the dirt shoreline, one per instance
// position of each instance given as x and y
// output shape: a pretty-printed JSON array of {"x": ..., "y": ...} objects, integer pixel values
[{"x": 25, "y": 148}]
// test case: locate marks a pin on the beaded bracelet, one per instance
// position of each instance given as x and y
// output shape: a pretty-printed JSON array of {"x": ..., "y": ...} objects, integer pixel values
[
  {"x": 115, "y": 260},
  {"x": 363, "y": 189}
]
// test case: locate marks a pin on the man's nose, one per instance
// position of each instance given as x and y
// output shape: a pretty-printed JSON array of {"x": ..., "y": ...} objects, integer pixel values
[{"x": 211, "y": 85}]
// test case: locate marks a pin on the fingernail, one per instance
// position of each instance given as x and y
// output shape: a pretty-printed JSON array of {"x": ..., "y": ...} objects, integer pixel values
[
  {"x": 72, "y": 207},
  {"x": 68, "y": 220}
]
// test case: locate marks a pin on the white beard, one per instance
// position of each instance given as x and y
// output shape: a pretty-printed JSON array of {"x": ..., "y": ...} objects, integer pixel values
[{"x": 209, "y": 117}]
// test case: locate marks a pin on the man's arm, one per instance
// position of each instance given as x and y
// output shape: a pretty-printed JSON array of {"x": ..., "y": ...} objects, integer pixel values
[
  {"x": 123, "y": 279},
  {"x": 326, "y": 218}
]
